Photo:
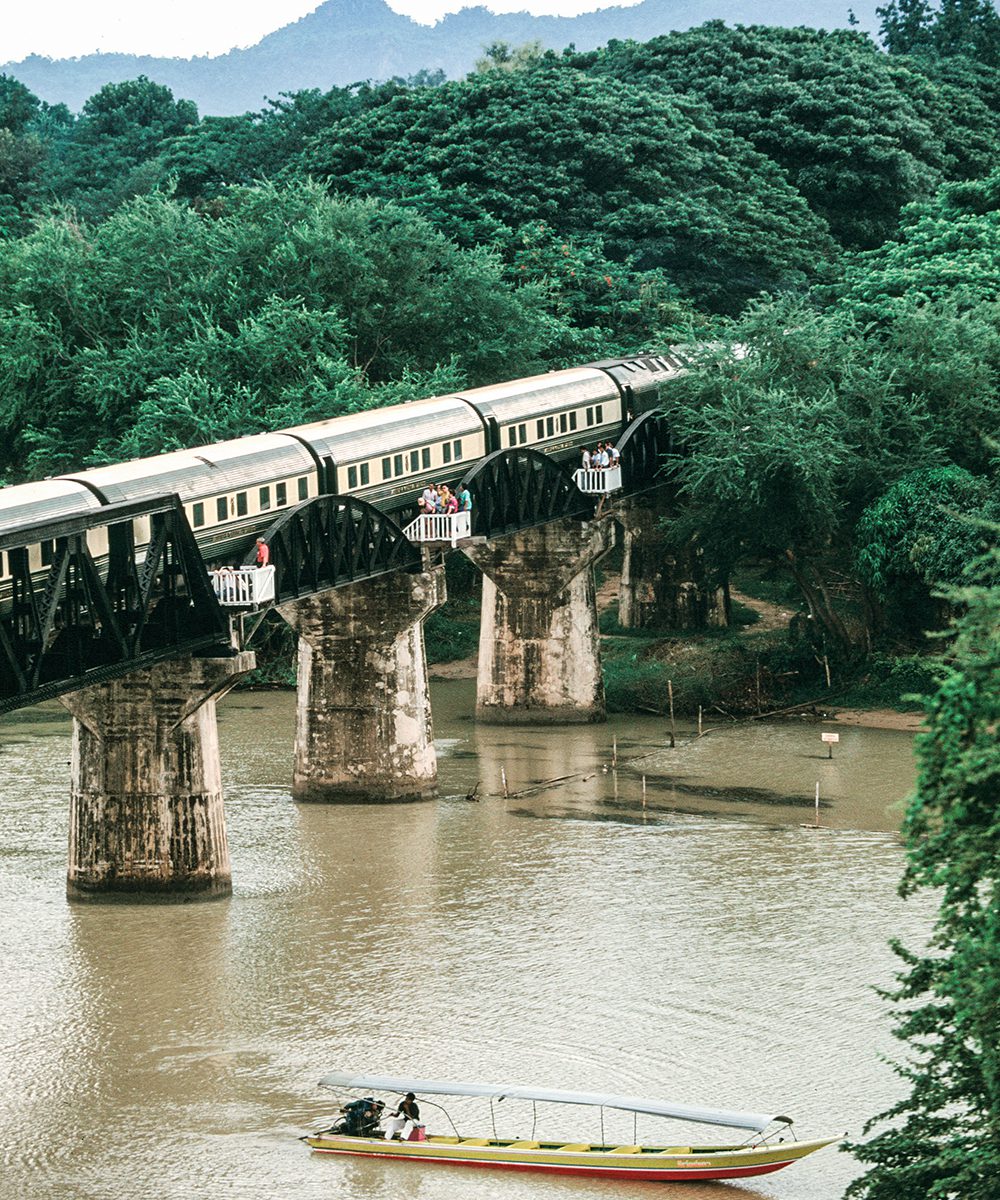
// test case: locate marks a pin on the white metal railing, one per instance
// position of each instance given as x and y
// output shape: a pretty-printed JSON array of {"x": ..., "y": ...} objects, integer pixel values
[
  {"x": 245, "y": 587},
  {"x": 440, "y": 527},
  {"x": 599, "y": 481}
]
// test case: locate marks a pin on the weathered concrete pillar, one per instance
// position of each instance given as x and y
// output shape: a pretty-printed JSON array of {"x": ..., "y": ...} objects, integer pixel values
[
  {"x": 146, "y": 813},
  {"x": 661, "y": 584},
  {"x": 364, "y": 712},
  {"x": 539, "y": 650}
]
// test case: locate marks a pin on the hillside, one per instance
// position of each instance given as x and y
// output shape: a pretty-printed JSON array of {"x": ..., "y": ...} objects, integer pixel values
[{"x": 345, "y": 41}]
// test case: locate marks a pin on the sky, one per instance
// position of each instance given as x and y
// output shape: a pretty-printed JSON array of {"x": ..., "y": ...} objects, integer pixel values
[{"x": 183, "y": 28}]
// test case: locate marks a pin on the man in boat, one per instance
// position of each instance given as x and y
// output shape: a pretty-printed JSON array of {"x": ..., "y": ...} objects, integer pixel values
[{"x": 401, "y": 1123}]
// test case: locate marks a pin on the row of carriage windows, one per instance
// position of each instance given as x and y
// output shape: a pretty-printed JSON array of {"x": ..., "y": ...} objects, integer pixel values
[
  {"x": 238, "y": 505},
  {"x": 546, "y": 427},
  {"x": 407, "y": 464}
]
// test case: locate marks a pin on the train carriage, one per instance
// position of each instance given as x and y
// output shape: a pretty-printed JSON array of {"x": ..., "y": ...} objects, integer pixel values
[
  {"x": 555, "y": 413},
  {"x": 387, "y": 456},
  {"x": 229, "y": 490}
]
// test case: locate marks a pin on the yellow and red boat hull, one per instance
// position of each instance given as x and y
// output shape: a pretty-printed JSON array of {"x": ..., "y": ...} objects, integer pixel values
[{"x": 654, "y": 1163}]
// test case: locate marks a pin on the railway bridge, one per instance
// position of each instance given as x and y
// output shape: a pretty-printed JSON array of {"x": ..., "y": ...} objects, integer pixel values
[{"x": 124, "y": 625}]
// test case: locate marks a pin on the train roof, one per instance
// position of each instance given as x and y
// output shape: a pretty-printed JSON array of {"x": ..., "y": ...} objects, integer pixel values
[
  {"x": 363, "y": 434},
  {"x": 556, "y": 391},
  {"x": 47, "y": 500},
  {"x": 202, "y": 471}
]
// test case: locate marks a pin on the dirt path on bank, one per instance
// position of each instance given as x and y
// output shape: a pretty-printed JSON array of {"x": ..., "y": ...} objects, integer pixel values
[{"x": 772, "y": 616}]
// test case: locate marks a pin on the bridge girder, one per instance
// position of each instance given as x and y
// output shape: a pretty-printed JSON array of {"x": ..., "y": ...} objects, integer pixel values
[
  {"x": 330, "y": 541},
  {"x": 90, "y": 621}
]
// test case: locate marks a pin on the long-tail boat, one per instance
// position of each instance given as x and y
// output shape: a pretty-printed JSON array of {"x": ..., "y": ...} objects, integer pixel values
[{"x": 770, "y": 1145}]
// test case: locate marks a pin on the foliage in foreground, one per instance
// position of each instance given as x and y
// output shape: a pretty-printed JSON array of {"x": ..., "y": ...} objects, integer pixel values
[{"x": 943, "y": 1138}]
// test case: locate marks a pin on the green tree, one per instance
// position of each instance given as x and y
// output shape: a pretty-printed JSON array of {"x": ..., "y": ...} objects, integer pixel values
[
  {"x": 162, "y": 326},
  {"x": 858, "y": 133},
  {"x": 921, "y": 535},
  {"x": 946, "y": 248},
  {"x": 940, "y": 1140},
  {"x": 652, "y": 175},
  {"x": 111, "y": 155},
  {"x": 970, "y": 28}
]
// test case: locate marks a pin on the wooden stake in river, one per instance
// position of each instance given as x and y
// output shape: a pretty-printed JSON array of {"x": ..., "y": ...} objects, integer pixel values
[{"x": 670, "y": 693}]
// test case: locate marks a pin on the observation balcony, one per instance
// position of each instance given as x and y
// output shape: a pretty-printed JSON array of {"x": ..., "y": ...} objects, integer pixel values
[
  {"x": 440, "y": 527},
  {"x": 598, "y": 481},
  {"x": 244, "y": 587}
]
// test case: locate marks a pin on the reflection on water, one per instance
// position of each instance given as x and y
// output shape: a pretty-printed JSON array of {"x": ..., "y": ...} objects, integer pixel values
[{"x": 690, "y": 940}]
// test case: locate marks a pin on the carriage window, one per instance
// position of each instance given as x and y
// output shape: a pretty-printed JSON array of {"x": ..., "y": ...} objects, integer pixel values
[
  {"x": 523, "y": 432},
  {"x": 221, "y": 508},
  {"x": 280, "y": 494},
  {"x": 397, "y": 463},
  {"x": 457, "y": 446},
  {"x": 386, "y": 468},
  {"x": 352, "y": 477},
  {"x": 2, "y": 571},
  {"x": 48, "y": 550},
  {"x": 512, "y": 436},
  {"x": 241, "y": 504},
  {"x": 414, "y": 460},
  {"x": 563, "y": 422},
  {"x": 198, "y": 515},
  {"x": 304, "y": 488},
  {"x": 364, "y": 474},
  {"x": 446, "y": 452},
  {"x": 590, "y": 416},
  {"x": 572, "y": 420},
  {"x": 541, "y": 429},
  {"x": 599, "y": 413},
  {"x": 550, "y": 425},
  {"x": 425, "y": 458},
  {"x": 264, "y": 496}
]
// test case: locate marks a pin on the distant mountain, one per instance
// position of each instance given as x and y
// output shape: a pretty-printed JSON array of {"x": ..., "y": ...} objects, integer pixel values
[{"x": 347, "y": 41}]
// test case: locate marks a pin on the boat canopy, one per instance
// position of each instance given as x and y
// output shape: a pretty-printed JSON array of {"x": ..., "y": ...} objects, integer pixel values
[{"x": 657, "y": 1108}]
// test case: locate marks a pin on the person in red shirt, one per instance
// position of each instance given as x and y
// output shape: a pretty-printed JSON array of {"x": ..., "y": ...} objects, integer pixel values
[{"x": 263, "y": 553}]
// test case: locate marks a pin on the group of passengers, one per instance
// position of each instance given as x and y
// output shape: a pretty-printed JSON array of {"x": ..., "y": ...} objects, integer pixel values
[
  {"x": 368, "y": 1118},
  {"x": 605, "y": 456},
  {"x": 438, "y": 499}
]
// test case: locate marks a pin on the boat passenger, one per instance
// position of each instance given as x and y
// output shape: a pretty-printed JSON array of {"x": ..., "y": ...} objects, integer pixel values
[
  {"x": 586, "y": 459},
  {"x": 615, "y": 454},
  {"x": 428, "y": 499},
  {"x": 362, "y": 1117},
  {"x": 402, "y": 1121},
  {"x": 465, "y": 499},
  {"x": 263, "y": 553},
  {"x": 450, "y": 502}
]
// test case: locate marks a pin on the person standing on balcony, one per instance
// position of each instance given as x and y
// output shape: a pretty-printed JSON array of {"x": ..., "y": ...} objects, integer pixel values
[
  {"x": 263, "y": 553},
  {"x": 586, "y": 459},
  {"x": 465, "y": 500}
]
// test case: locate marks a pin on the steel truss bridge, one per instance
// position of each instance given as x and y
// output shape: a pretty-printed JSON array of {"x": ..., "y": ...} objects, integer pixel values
[{"x": 95, "y": 619}]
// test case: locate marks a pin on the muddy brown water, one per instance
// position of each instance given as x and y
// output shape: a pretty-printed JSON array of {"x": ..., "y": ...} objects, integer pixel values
[{"x": 700, "y": 946}]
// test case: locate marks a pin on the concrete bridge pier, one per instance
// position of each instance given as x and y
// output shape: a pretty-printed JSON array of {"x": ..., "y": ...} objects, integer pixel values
[
  {"x": 146, "y": 813},
  {"x": 539, "y": 650},
  {"x": 363, "y": 728},
  {"x": 662, "y": 584}
]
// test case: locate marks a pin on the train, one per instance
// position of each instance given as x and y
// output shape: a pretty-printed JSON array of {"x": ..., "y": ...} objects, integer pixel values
[{"x": 232, "y": 491}]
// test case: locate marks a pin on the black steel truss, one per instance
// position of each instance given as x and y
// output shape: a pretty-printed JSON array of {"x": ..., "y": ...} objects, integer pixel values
[
  {"x": 517, "y": 488},
  {"x": 91, "y": 619},
  {"x": 330, "y": 541},
  {"x": 642, "y": 447}
]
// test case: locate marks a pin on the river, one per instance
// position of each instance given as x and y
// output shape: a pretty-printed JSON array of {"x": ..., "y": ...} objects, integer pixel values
[{"x": 691, "y": 941}]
